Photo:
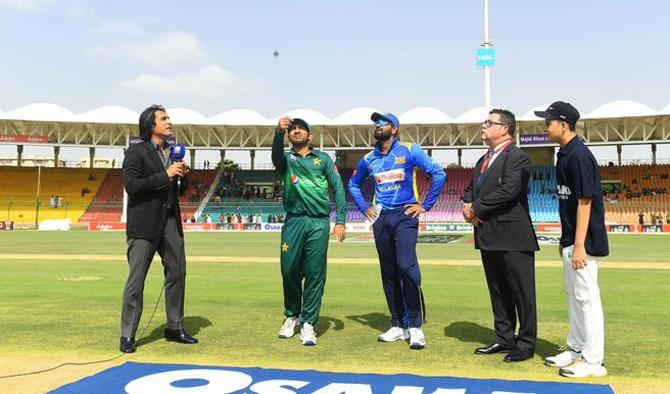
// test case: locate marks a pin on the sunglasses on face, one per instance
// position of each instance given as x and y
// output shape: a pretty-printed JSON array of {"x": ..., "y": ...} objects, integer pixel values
[{"x": 382, "y": 123}]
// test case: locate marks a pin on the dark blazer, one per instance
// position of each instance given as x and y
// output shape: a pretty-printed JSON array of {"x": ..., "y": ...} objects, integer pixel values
[
  {"x": 500, "y": 200},
  {"x": 147, "y": 184}
]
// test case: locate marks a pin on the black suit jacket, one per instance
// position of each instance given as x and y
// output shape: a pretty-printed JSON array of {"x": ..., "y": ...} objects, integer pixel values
[
  {"x": 147, "y": 185},
  {"x": 500, "y": 200}
]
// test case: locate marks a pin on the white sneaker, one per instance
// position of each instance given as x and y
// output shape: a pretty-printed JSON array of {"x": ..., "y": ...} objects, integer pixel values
[
  {"x": 563, "y": 359},
  {"x": 307, "y": 335},
  {"x": 416, "y": 338},
  {"x": 288, "y": 329},
  {"x": 394, "y": 334},
  {"x": 582, "y": 369}
]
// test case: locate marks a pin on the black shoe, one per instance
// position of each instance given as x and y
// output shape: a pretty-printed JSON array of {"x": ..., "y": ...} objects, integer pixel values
[
  {"x": 127, "y": 345},
  {"x": 179, "y": 336},
  {"x": 518, "y": 355},
  {"x": 492, "y": 349}
]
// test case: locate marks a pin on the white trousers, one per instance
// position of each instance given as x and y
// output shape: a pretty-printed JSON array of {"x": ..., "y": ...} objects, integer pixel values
[{"x": 585, "y": 309}]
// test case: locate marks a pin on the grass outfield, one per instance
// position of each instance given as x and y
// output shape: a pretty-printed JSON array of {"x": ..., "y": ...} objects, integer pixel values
[{"x": 61, "y": 302}]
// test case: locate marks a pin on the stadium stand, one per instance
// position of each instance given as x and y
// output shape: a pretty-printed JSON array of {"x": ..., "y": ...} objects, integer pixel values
[
  {"x": 63, "y": 193},
  {"x": 634, "y": 194},
  {"x": 639, "y": 193},
  {"x": 448, "y": 208},
  {"x": 108, "y": 202}
]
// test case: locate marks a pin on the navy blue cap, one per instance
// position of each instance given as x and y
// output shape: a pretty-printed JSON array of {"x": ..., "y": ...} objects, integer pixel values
[
  {"x": 560, "y": 110},
  {"x": 385, "y": 116}
]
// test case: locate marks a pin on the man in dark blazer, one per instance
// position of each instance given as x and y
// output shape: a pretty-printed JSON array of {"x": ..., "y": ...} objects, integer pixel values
[
  {"x": 496, "y": 203},
  {"x": 150, "y": 178}
]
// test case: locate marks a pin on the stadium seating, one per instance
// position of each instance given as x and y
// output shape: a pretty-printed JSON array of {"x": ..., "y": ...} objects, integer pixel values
[
  {"x": 645, "y": 190},
  {"x": 108, "y": 202},
  {"x": 61, "y": 192},
  {"x": 638, "y": 189}
]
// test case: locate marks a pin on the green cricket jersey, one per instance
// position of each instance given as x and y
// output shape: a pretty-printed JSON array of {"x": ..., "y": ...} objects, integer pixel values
[{"x": 306, "y": 181}]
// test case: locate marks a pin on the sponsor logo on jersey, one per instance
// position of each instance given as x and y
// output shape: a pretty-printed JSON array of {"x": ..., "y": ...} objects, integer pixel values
[
  {"x": 564, "y": 192},
  {"x": 389, "y": 188},
  {"x": 391, "y": 176},
  {"x": 400, "y": 160},
  {"x": 294, "y": 179},
  {"x": 293, "y": 157}
]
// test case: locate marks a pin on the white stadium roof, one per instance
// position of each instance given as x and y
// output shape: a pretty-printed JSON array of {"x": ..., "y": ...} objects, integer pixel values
[
  {"x": 355, "y": 116},
  {"x": 665, "y": 110},
  {"x": 423, "y": 115},
  {"x": 622, "y": 108}
]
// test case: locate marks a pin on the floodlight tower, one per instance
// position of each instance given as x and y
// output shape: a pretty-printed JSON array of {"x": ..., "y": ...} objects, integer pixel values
[{"x": 489, "y": 55}]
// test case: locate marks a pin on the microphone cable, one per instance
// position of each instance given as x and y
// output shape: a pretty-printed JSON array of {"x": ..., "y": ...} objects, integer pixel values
[{"x": 75, "y": 363}]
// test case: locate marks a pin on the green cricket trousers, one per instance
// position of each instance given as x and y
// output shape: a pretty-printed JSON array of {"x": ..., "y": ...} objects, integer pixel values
[{"x": 304, "y": 249}]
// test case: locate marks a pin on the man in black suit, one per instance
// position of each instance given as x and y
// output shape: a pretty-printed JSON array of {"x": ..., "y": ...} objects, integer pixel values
[
  {"x": 496, "y": 203},
  {"x": 154, "y": 225}
]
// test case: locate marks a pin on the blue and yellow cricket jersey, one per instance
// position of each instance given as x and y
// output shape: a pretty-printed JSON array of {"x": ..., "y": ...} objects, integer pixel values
[{"x": 394, "y": 174}]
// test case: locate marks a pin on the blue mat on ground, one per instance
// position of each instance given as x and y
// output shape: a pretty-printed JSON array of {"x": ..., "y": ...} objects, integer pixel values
[{"x": 139, "y": 378}]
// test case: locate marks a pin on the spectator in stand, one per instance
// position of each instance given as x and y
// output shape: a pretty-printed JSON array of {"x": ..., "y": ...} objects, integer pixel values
[
  {"x": 641, "y": 218},
  {"x": 222, "y": 218}
]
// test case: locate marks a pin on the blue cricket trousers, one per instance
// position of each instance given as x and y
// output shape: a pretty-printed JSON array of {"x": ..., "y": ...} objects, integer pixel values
[{"x": 395, "y": 238}]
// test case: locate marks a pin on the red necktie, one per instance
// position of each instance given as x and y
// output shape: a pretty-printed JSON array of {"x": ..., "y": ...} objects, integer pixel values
[{"x": 488, "y": 159}]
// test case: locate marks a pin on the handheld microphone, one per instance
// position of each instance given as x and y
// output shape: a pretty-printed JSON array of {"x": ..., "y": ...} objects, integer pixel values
[{"x": 177, "y": 155}]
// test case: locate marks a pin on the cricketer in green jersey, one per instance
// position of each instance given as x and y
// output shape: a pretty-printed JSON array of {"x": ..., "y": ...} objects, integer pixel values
[{"x": 307, "y": 175}]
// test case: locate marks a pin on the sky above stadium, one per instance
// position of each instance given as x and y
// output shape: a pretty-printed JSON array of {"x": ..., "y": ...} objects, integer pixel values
[{"x": 213, "y": 56}]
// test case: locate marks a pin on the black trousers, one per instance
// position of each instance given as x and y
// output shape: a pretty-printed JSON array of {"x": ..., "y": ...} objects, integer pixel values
[
  {"x": 510, "y": 277},
  {"x": 140, "y": 254}
]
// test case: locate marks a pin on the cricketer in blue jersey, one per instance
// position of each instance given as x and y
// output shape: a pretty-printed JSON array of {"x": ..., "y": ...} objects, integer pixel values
[{"x": 394, "y": 166}]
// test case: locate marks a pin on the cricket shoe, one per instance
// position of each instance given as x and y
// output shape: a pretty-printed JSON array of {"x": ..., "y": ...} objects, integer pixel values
[
  {"x": 417, "y": 340},
  {"x": 307, "y": 335},
  {"x": 563, "y": 359},
  {"x": 288, "y": 329},
  {"x": 582, "y": 369},
  {"x": 394, "y": 334}
]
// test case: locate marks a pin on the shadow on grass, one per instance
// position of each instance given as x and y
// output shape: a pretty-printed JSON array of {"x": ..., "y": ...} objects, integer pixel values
[
  {"x": 192, "y": 325},
  {"x": 474, "y": 333},
  {"x": 325, "y": 323},
  {"x": 378, "y": 321}
]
